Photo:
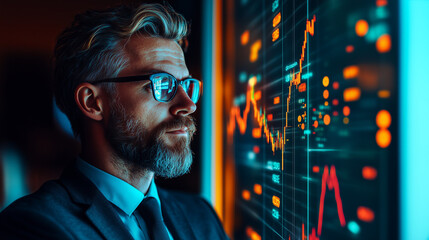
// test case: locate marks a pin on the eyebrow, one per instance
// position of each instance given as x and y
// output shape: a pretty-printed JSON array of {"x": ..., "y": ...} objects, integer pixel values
[
  {"x": 150, "y": 72},
  {"x": 134, "y": 78}
]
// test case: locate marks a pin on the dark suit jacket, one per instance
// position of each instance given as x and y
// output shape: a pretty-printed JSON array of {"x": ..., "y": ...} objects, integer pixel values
[{"x": 73, "y": 208}]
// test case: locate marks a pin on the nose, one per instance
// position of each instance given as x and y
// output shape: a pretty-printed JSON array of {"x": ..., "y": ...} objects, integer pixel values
[{"x": 182, "y": 104}]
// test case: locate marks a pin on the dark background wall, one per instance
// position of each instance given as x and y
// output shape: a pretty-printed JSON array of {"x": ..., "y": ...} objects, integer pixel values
[{"x": 28, "y": 126}]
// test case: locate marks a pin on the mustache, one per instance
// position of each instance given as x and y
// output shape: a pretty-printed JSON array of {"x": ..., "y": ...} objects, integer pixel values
[{"x": 178, "y": 122}]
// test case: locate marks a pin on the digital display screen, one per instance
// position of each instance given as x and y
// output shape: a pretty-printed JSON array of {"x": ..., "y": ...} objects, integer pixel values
[{"x": 312, "y": 123}]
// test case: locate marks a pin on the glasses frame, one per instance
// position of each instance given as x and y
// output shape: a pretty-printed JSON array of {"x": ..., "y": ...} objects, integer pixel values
[{"x": 150, "y": 77}]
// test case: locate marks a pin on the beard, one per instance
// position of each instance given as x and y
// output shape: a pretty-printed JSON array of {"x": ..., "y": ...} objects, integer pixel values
[{"x": 143, "y": 149}]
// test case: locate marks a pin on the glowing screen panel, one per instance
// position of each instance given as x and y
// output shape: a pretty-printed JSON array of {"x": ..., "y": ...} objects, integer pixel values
[{"x": 312, "y": 126}]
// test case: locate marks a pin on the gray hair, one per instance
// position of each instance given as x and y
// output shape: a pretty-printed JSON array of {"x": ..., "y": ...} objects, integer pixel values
[{"x": 92, "y": 48}]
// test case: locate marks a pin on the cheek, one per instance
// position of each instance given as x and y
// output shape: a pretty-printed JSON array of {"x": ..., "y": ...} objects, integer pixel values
[{"x": 151, "y": 115}]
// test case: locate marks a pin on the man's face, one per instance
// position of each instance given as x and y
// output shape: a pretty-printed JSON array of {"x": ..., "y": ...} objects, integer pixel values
[{"x": 142, "y": 131}]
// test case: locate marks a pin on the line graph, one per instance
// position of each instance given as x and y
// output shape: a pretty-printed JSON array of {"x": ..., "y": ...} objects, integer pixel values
[
  {"x": 310, "y": 98},
  {"x": 277, "y": 139}
]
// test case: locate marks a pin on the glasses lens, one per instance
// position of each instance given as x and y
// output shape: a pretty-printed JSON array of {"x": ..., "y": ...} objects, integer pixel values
[
  {"x": 192, "y": 88},
  {"x": 163, "y": 87}
]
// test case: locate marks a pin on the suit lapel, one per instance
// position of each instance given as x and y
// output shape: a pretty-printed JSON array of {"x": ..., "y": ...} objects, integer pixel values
[
  {"x": 102, "y": 215},
  {"x": 175, "y": 218},
  {"x": 100, "y": 211}
]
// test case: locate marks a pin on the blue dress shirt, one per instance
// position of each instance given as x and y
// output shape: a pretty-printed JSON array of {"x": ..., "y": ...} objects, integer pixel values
[{"x": 124, "y": 197}]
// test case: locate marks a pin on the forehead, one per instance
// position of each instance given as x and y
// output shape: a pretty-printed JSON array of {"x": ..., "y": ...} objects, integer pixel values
[{"x": 148, "y": 54}]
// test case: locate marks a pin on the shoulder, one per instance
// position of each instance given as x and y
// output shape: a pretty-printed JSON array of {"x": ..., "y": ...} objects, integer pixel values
[
  {"x": 51, "y": 194},
  {"x": 186, "y": 201},
  {"x": 25, "y": 217},
  {"x": 196, "y": 210}
]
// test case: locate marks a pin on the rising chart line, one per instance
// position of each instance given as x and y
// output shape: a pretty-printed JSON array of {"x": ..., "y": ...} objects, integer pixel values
[{"x": 277, "y": 139}]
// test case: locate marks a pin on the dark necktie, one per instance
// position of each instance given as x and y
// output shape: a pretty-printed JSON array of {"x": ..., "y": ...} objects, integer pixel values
[{"x": 151, "y": 213}]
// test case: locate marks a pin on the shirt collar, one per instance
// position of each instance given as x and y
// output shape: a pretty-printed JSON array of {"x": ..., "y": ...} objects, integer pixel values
[{"x": 117, "y": 191}]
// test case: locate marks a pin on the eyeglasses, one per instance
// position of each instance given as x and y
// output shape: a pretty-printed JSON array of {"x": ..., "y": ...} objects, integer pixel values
[{"x": 164, "y": 85}]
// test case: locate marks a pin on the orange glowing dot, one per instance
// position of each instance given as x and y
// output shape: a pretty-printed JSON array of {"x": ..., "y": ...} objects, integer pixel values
[
  {"x": 383, "y": 43},
  {"x": 369, "y": 173},
  {"x": 316, "y": 169},
  {"x": 257, "y": 95},
  {"x": 302, "y": 87},
  {"x": 316, "y": 124},
  {"x": 325, "y": 81},
  {"x": 245, "y": 37},
  {"x": 361, "y": 28},
  {"x": 246, "y": 195},
  {"x": 320, "y": 115},
  {"x": 252, "y": 234},
  {"x": 256, "y": 133},
  {"x": 249, "y": 231},
  {"x": 381, "y": 3},
  {"x": 299, "y": 118},
  {"x": 383, "y": 119},
  {"x": 346, "y": 120},
  {"x": 335, "y": 102},
  {"x": 256, "y": 149},
  {"x": 326, "y": 103},
  {"x": 257, "y": 188},
  {"x": 383, "y": 138},
  {"x": 270, "y": 117},
  {"x": 350, "y": 49},
  {"x": 255, "y": 236},
  {"x": 346, "y": 111},
  {"x": 365, "y": 214},
  {"x": 384, "y": 94},
  {"x": 276, "y": 100},
  {"x": 276, "y": 201},
  {"x": 254, "y": 51},
  {"x": 335, "y": 85},
  {"x": 351, "y": 94},
  {"x": 302, "y": 126},
  {"x": 326, "y": 94},
  {"x": 276, "y": 34},
  {"x": 327, "y": 119},
  {"x": 277, "y": 19},
  {"x": 350, "y": 72}
]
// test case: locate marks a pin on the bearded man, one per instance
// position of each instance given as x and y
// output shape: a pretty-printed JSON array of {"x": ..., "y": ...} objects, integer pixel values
[{"x": 121, "y": 78}]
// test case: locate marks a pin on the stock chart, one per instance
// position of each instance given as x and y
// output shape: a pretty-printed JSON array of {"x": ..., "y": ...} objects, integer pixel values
[{"x": 313, "y": 119}]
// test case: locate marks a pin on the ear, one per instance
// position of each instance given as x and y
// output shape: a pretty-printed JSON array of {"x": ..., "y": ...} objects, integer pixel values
[{"x": 89, "y": 100}]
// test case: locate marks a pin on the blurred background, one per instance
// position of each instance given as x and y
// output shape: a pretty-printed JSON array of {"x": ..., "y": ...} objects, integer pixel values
[{"x": 301, "y": 99}]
